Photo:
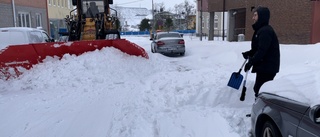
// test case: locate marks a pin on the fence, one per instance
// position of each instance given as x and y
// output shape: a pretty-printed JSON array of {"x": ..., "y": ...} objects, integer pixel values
[{"x": 148, "y": 33}]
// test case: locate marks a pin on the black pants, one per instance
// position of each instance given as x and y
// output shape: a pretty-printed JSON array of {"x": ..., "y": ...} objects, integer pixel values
[{"x": 262, "y": 78}]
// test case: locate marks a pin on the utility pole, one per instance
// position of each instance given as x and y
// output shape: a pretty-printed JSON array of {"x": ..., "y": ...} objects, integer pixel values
[
  {"x": 14, "y": 14},
  {"x": 153, "y": 21},
  {"x": 224, "y": 9},
  {"x": 200, "y": 20}
]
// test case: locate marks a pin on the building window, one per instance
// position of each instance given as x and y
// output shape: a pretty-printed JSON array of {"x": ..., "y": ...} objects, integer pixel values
[
  {"x": 62, "y": 3},
  {"x": 70, "y": 4},
  {"x": 38, "y": 20},
  {"x": 24, "y": 19},
  {"x": 54, "y": 2},
  {"x": 49, "y": 1},
  {"x": 58, "y": 3},
  {"x": 216, "y": 20}
]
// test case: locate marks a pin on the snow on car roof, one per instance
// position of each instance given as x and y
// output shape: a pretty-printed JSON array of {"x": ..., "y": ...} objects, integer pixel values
[{"x": 20, "y": 29}]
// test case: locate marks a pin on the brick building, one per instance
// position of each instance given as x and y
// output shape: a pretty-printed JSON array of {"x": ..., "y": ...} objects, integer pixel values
[
  {"x": 295, "y": 21},
  {"x": 24, "y": 13}
]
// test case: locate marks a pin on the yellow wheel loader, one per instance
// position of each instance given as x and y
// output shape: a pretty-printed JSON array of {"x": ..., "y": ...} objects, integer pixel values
[{"x": 92, "y": 20}]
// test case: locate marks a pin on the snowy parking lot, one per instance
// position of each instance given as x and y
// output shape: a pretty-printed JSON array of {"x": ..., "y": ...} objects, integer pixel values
[{"x": 108, "y": 93}]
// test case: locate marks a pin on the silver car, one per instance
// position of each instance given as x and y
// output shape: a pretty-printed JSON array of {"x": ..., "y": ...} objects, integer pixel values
[
  {"x": 168, "y": 43},
  {"x": 276, "y": 116}
]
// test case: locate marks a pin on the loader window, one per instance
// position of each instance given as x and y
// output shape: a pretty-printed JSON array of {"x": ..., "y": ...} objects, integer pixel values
[{"x": 92, "y": 8}]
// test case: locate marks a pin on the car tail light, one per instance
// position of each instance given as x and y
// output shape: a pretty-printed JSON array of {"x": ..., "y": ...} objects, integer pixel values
[
  {"x": 181, "y": 42},
  {"x": 160, "y": 43}
]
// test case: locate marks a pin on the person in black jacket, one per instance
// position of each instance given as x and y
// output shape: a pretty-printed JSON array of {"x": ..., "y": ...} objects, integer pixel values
[{"x": 264, "y": 55}]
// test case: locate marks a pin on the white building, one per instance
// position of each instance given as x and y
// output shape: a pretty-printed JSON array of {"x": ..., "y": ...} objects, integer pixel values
[{"x": 131, "y": 17}]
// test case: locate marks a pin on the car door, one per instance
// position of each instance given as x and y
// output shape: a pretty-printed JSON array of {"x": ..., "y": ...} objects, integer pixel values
[
  {"x": 308, "y": 128},
  {"x": 291, "y": 112}
]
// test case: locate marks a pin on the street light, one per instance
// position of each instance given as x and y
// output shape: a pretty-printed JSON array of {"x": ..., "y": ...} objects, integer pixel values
[
  {"x": 200, "y": 20},
  {"x": 153, "y": 21}
]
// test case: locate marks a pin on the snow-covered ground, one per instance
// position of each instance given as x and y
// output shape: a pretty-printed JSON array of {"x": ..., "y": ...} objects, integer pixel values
[{"x": 108, "y": 93}]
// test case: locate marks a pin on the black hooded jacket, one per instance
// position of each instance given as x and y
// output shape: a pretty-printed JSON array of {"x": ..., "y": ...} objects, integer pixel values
[{"x": 265, "y": 52}]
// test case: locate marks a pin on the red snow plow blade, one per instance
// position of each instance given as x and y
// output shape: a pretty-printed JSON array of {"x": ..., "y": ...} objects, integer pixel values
[{"x": 15, "y": 58}]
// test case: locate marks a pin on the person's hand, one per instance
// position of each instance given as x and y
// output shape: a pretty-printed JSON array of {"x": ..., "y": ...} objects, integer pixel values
[
  {"x": 247, "y": 67},
  {"x": 245, "y": 55}
]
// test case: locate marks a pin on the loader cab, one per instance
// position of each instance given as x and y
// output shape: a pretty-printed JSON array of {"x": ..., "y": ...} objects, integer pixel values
[
  {"x": 91, "y": 8},
  {"x": 92, "y": 20}
]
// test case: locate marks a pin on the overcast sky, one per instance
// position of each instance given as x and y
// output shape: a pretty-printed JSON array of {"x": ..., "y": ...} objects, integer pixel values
[{"x": 148, "y": 3}]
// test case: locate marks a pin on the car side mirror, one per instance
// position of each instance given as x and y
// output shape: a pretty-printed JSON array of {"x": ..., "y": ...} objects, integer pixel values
[
  {"x": 49, "y": 40},
  {"x": 314, "y": 114}
]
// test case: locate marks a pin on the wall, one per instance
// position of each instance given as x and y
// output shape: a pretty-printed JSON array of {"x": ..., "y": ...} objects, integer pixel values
[
  {"x": 6, "y": 15},
  {"x": 291, "y": 19},
  {"x": 30, "y": 6},
  {"x": 31, "y": 3},
  {"x": 59, "y": 12},
  {"x": 315, "y": 30}
]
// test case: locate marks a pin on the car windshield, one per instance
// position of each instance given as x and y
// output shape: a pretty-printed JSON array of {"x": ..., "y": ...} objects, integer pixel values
[
  {"x": 35, "y": 37},
  {"x": 168, "y": 35}
]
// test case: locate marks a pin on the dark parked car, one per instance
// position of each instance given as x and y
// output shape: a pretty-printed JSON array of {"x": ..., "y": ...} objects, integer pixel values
[
  {"x": 168, "y": 43},
  {"x": 277, "y": 116}
]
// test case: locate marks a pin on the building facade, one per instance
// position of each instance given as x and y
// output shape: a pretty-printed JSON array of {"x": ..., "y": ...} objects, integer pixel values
[
  {"x": 213, "y": 24},
  {"x": 57, "y": 12},
  {"x": 130, "y": 17},
  {"x": 217, "y": 25},
  {"x": 295, "y": 21},
  {"x": 24, "y": 13}
]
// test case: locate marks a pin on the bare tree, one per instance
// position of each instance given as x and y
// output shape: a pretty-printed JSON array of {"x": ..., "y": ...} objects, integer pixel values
[
  {"x": 185, "y": 10},
  {"x": 179, "y": 8},
  {"x": 159, "y": 7},
  {"x": 188, "y": 10},
  {"x": 179, "y": 11}
]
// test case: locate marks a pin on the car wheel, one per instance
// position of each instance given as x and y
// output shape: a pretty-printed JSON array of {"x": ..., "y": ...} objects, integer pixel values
[
  {"x": 270, "y": 130},
  {"x": 182, "y": 54},
  {"x": 152, "y": 50}
]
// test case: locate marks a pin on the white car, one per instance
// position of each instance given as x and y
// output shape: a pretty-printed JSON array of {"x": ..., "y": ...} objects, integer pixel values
[{"x": 22, "y": 35}]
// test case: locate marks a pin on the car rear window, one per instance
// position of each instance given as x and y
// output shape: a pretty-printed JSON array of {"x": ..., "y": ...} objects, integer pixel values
[{"x": 169, "y": 35}]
